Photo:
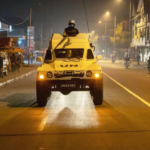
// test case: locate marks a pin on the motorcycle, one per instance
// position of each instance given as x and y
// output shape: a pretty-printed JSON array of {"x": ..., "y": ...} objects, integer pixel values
[
  {"x": 126, "y": 64},
  {"x": 113, "y": 60}
]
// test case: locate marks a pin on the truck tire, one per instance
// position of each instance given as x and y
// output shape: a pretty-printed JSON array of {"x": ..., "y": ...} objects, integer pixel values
[
  {"x": 97, "y": 92},
  {"x": 41, "y": 93}
]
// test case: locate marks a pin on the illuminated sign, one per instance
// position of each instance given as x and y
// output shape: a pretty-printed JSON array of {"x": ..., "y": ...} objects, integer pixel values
[
  {"x": 30, "y": 38},
  {"x": 3, "y": 26}
]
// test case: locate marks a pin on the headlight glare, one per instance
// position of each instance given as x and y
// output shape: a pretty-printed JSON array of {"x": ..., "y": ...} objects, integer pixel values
[
  {"x": 41, "y": 76},
  {"x": 96, "y": 75}
]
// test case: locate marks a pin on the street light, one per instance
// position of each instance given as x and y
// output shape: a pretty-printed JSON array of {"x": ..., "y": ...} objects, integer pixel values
[{"x": 107, "y": 13}]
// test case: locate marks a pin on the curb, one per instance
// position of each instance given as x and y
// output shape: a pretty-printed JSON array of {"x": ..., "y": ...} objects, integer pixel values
[{"x": 16, "y": 78}]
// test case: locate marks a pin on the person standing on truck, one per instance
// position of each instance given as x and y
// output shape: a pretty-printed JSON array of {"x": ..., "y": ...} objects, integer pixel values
[
  {"x": 1, "y": 66},
  {"x": 71, "y": 30}
]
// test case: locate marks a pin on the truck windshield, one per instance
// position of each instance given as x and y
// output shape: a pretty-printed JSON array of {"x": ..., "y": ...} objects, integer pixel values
[{"x": 69, "y": 53}]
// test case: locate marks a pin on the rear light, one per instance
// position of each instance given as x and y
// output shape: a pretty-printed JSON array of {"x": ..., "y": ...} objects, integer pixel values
[
  {"x": 89, "y": 74},
  {"x": 49, "y": 74}
]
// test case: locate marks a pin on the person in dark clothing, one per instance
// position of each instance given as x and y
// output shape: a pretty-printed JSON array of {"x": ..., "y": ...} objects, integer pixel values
[
  {"x": 113, "y": 58},
  {"x": 148, "y": 63},
  {"x": 127, "y": 58},
  {"x": 1, "y": 66},
  {"x": 18, "y": 62},
  {"x": 13, "y": 62},
  {"x": 31, "y": 57},
  {"x": 138, "y": 59},
  {"x": 71, "y": 30}
]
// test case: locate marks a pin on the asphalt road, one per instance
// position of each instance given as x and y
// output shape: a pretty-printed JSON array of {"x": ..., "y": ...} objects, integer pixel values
[{"x": 72, "y": 122}]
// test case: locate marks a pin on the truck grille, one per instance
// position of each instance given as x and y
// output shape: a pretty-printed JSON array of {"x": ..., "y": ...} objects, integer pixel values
[{"x": 68, "y": 73}]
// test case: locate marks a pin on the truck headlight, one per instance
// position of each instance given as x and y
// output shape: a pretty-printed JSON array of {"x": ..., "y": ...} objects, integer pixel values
[
  {"x": 41, "y": 76},
  {"x": 49, "y": 74},
  {"x": 89, "y": 74},
  {"x": 96, "y": 75}
]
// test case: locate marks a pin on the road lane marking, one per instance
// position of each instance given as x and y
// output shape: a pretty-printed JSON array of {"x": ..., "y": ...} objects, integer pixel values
[
  {"x": 138, "y": 97},
  {"x": 16, "y": 79}
]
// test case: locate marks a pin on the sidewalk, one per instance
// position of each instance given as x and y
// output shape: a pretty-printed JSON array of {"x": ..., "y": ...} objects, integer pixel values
[{"x": 24, "y": 71}]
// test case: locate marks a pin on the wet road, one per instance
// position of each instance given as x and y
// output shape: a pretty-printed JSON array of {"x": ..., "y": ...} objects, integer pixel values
[{"x": 72, "y": 121}]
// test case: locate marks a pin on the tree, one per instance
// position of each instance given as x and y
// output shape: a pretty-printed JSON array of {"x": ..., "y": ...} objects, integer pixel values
[{"x": 121, "y": 39}]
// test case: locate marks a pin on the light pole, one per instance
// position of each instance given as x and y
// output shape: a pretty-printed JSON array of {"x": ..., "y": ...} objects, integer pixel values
[
  {"x": 115, "y": 21},
  {"x": 107, "y": 14},
  {"x": 29, "y": 37},
  {"x": 105, "y": 33},
  {"x": 130, "y": 7},
  {"x": 105, "y": 36}
]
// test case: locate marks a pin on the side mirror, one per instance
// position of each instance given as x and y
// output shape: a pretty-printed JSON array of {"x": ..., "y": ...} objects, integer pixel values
[
  {"x": 99, "y": 57},
  {"x": 39, "y": 59}
]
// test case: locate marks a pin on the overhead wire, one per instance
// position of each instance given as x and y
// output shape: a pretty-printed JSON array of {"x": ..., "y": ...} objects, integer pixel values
[
  {"x": 86, "y": 16},
  {"x": 43, "y": 37},
  {"x": 13, "y": 23}
]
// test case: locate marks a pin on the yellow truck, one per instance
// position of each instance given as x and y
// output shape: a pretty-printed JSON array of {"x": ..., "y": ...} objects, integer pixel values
[{"x": 69, "y": 65}]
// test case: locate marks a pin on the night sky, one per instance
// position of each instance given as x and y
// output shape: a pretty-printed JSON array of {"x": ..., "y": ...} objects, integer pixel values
[{"x": 56, "y": 14}]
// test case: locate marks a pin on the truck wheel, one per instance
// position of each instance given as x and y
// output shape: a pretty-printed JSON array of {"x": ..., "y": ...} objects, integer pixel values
[
  {"x": 41, "y": 93},
  {"x": 98, "y": 92}
]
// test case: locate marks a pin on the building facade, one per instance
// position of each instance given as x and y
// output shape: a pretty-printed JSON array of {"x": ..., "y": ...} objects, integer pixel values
[{"x": 140, "y": 43}]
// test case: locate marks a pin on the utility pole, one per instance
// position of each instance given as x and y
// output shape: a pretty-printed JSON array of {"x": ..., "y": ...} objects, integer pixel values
[
  {"x": 41, "y": 36},
  {"x": 86, "y": 18},
  {"x": 29, "y": 37},
  {"x": 51, "y": 31},
  {"x": 130, "y": 23},
  {"x": 115, "y": 22},
  {"x": 105, "y": 36}
]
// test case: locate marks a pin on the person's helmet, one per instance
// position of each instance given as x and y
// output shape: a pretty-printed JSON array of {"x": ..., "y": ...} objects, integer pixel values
[{"x": 72, "y": 22}]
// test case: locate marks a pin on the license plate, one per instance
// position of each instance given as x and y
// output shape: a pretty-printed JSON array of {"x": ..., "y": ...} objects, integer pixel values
[{"x": 68, "y": 85}]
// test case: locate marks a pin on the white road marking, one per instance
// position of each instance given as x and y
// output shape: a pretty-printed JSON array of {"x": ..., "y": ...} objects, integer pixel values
[
  {"x": 138, "y": 97},
  {"x": 16, "y": 78}
]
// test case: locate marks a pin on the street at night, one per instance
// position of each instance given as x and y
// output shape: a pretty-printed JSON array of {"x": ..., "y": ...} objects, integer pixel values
[
  {"x": 75, "y": 75},
  {"x": 73, "y": 121}
]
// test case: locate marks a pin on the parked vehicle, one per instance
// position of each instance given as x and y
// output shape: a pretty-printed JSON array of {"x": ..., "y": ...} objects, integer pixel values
[{"x": 5, "y": 63}]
